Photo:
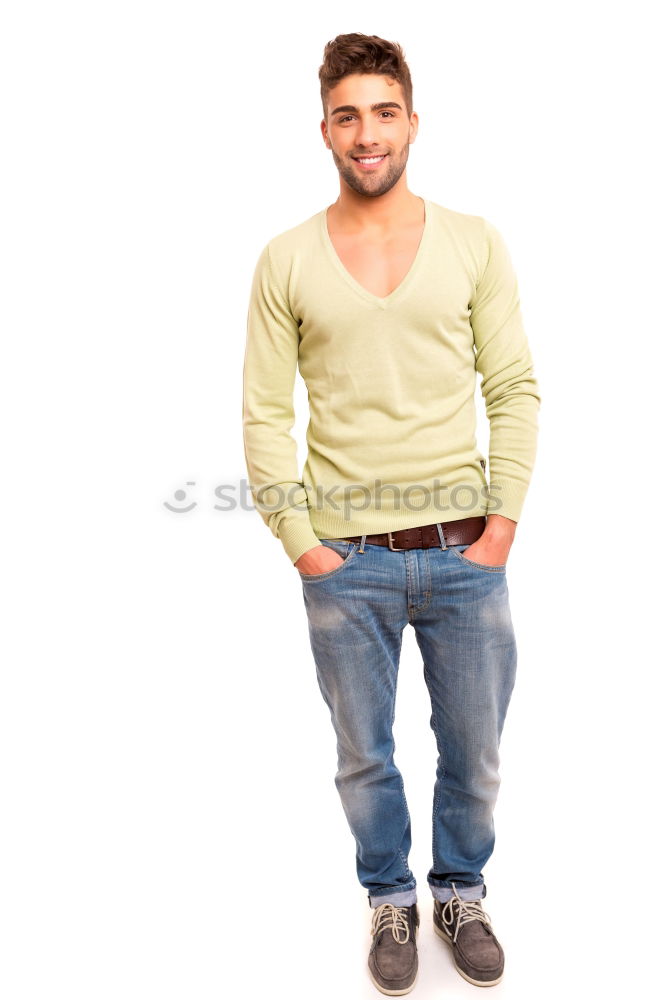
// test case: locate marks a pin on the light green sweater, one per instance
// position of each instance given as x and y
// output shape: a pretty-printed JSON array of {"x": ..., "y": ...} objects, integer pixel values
[{"x": 391, "y": 382}]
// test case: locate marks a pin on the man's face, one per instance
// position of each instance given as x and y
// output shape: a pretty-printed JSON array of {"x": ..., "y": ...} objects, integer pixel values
[{"x": 358, "y": 129}]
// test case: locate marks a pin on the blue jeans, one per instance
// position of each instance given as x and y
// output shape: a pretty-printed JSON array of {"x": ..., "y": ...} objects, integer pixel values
[{"x": 460, "y": 612}]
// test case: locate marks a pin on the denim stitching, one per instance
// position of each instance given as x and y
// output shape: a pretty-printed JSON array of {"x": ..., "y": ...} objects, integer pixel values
[
  {"x": 440, "y": 751},
  {"x": 470, "y": 562},
  {"x": 393, "y": 888},
  {"x": 427, "y": 594},
  {"x": 325, "y": 576},
  {"x": 402, "y": 784},
  {"x": 410, "y": 583},
  {"x": 404, "y": 861}
]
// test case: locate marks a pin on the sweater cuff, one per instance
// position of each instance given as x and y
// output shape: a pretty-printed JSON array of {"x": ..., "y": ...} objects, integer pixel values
[
  {"x": 296, "y": 534},
  {"x": 506, "y": 497}
]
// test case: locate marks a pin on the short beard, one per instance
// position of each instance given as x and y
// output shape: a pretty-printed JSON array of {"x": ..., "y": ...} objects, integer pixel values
[{"x": 370, "y": 188}]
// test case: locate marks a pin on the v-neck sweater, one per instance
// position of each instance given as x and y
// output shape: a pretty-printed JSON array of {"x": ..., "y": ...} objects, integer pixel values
[{"x": 391, "y": 441}]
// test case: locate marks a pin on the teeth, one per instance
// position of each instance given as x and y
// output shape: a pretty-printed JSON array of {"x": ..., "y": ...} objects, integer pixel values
[{"x": 370, "y": 159}]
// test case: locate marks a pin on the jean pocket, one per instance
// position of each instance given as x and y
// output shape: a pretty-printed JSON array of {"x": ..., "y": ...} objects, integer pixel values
[
  {"x": 459, "y": 550},
  {"x": 345, "y": 549}
]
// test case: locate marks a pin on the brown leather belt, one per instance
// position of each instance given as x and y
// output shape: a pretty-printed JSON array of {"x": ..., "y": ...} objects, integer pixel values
[{"x": 462, "y": 532}]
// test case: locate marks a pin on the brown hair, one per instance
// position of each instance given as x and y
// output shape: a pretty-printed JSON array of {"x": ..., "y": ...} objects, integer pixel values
[{"x": 356, "y": 53}]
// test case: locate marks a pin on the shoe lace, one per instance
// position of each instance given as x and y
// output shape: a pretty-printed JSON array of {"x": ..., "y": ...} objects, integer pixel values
[
  {"x": 462, "y": 911},
  {"x": 394, "y": 917}
]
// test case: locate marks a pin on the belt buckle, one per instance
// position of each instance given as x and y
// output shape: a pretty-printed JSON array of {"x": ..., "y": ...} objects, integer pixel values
[{"x": 392, "y": 547}]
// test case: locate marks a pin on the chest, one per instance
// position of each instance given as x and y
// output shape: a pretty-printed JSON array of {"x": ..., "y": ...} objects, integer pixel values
[{"x": 378, "y": 266}]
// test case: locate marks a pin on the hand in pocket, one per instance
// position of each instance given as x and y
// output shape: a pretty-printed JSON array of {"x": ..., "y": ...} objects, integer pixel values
[
  {"x": 320, "y": 559},
  {"x": 485, "y": 554}
]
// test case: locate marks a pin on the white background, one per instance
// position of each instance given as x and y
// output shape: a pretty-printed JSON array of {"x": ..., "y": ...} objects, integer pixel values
[{"x": 170, "y": 827}]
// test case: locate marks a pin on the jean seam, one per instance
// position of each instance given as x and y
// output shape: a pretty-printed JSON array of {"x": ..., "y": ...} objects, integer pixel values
[
  {"x": 391, "y": 889},
  {"x": 428, "y": 592},
  {"x": 402, "y": 783},
  {"x": 326, "y": 576},
  {"x": 440, "y": 751},
  {"x": 414, "y": 610},
  {"x": 470, "y": 562}
]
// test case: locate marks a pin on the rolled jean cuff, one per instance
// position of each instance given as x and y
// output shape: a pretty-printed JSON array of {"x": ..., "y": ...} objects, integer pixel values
[
  {"x": 404, "y": 897},
  {"x": 443, "y": 893}
]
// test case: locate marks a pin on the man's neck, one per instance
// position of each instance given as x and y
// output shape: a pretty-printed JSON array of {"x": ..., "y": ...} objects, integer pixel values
[{"x": 353, "y": 213}]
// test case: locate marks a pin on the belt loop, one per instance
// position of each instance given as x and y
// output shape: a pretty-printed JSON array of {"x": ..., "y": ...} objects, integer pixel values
[
  {"x": 362, "y": 545},
  {"x": 441, "y": 535}
]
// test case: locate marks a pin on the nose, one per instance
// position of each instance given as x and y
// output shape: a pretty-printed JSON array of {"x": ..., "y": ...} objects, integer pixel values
[{"x": 366, "y": 136}]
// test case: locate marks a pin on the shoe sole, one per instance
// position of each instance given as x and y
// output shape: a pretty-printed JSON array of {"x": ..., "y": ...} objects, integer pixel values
[
  {"x": 475, "y": 982},
  {"x": 396, "y": 993}
]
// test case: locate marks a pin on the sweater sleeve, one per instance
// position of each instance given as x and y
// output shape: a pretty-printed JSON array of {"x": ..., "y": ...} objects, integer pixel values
[
  {"x": 269, "y": 371},
  {"x": 508, "y": 385}
]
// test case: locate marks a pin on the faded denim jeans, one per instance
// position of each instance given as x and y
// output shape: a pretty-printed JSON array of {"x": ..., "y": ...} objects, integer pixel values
[{"x": 460, "y": 611}]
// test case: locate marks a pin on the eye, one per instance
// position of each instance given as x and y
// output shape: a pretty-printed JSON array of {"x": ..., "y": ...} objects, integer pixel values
[{"x": 346, "y": 117}]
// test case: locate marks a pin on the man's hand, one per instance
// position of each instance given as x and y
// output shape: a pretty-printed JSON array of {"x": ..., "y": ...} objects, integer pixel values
[
  {"x": 320, "y": 559},
  {"x": 492, "y": 548}
]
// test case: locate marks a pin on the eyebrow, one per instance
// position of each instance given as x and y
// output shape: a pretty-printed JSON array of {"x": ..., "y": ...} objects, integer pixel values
[{"x": 373, "y": 107}]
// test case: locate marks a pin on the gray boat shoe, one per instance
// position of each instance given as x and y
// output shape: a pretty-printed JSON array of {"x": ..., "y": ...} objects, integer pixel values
[
  {"x": 477, "y": 954},
  {"x": 393, "y": 959}
]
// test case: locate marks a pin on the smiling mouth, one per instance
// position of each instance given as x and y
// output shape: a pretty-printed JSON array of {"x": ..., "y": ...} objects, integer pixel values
[{"x": 367, "y": 162}]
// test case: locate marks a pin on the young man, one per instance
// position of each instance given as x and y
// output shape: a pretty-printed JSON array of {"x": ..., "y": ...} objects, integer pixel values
[{"x": 389, "y": 304}]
